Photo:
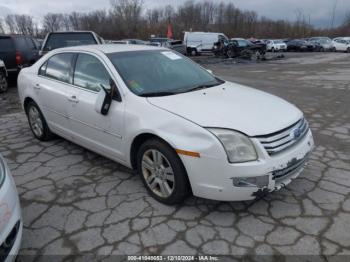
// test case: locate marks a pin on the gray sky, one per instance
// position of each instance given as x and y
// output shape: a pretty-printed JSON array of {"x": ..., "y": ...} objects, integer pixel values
[{"x": 319, "y": 10}]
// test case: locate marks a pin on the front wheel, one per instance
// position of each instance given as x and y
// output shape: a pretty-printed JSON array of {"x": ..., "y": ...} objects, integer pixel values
[
  {"x": 3, "y": 82},
  {"x": 38, "y": 123},
  {"x": 348, "y": 50},
  {"x": 162, "y": 172}
]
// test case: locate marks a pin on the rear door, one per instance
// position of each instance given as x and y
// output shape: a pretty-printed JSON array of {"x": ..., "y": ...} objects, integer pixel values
[
  {"x": 53, "y": 89},
  {"x": 8, "y": 53}
]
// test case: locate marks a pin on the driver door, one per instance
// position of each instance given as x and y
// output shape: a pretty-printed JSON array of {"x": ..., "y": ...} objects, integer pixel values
[{"x": 101, "y": 133}]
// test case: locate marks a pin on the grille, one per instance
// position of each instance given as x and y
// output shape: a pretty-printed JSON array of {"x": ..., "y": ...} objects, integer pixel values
[
  {"x": 277, "y": 142},
  {"x": 292, "y": 168}
]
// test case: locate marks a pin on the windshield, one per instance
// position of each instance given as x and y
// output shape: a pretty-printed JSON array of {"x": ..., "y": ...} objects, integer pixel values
[
  {"x": 159, "y": 72},
  {"x": 279, "y": 42}
]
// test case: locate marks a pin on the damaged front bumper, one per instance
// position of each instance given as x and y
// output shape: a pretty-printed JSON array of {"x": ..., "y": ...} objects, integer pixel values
[{"x": 219, "y": 180}]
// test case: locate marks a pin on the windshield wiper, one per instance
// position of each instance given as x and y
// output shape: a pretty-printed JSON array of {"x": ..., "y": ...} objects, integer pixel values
[
  {"x": 204, "y": 86},
  {"x": 154, "y": 94}
]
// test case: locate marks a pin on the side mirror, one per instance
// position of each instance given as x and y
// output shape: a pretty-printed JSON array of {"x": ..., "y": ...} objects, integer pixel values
[{"x": 103, "y": 101}]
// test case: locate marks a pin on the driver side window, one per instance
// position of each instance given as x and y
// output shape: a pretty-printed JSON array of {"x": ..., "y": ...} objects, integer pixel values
[{"x": 90, "y": 73}]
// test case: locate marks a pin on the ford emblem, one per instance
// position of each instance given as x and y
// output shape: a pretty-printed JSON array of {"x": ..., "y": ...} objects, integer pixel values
[{"x": 296, "y": 133}]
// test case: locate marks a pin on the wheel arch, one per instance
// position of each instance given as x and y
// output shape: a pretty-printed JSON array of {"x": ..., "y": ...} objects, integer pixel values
[
  {"x": 26, "y": 101},
  {"x": 138, "y": 141},
  {"x": 143, "y": 137}
]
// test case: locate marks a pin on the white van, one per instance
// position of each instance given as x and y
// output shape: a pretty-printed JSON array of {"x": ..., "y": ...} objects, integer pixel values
[{"x": 198, "y": 42}]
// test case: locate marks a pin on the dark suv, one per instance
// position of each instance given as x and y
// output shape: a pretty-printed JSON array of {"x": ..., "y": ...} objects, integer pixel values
[
  {"x": 17, "y": 51},
  {"x": 56, "y": 40}
]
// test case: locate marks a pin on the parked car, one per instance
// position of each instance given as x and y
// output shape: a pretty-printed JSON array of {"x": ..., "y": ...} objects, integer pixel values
[
  {"x": 129, "y": 42},
  {"x": 3, "y": 77},
  {"x": 93, "y": 95},
  {"x": 17, "y": 51},
  {"x": 276, "y": 45},
  {"x": 176, "y": 45},
  {"x": 341, "y": 45},
  {"x": 201, "y": 42},
  {"x": 56, "y": 40},
  {"x": 244, "y": 46},
  {"x": 11, "y": 224},
  {"x": 325, "y": 43},
  {"x": 300, "y": 45},
  {"x": 342, "y": 38}
]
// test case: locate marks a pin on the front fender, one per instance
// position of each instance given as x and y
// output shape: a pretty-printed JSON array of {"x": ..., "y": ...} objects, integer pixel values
[{"x": 177, "y": 131}]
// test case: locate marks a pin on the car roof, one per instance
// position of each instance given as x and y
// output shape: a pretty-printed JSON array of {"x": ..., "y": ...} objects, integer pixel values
[
  {"x": 72, "y": 32},
  {"x": 110, "y": 48}
]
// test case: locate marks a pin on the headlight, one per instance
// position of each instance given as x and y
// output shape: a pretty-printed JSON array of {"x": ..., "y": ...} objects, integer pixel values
[
  {"x": 238, "y": 147},
  {"x": 2, "y": 171}
]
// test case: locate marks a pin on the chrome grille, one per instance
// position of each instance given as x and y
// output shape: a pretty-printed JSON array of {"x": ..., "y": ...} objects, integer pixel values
[{"x": 277, "y": 142}]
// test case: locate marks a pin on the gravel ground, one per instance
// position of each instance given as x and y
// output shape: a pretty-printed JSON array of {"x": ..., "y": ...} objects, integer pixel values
[{"x": 76, "y": 202}]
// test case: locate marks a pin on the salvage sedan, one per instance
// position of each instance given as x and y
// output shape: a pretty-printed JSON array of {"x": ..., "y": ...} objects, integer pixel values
[
  {"x": 10, "y": 216},
  {"x": 183, "y": 129}
]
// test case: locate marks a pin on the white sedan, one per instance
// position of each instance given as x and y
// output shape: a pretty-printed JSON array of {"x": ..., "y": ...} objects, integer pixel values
[
  {"x": 341, "y": 45},
  {"x": 183, "y": 129},
  {"x": 10, "y": 216},
  {"x": 276, "y": 45}
]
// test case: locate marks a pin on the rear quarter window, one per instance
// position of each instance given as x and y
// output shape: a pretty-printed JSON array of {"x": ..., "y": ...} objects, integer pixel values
[{"x": 55, "y": 41}]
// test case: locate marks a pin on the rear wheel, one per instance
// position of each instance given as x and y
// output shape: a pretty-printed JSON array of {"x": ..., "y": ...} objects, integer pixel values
[
  {"x": 3, "y": 82},
  {"x": 193, "y": 52},
  {"x": 348, "y": 50},
  {"x": 230, "y": 53},
  {"x": 162, "y": 172},
  {"x": 38, "y": 123}
]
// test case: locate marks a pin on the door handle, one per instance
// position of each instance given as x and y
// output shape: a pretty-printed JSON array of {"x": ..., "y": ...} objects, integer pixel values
[
  {"x": 37, "y": 86},
  {"x": 73, "y": 99}
]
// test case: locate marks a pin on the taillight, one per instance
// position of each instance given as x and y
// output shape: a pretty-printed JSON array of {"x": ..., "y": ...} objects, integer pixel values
[{"x": 19, "y": 58}]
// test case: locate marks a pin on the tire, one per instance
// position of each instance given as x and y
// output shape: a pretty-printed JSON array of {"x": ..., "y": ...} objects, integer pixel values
[
  {"x": 230, "y": 53},
  {"x": 3, "y": 82},
  {"x": 154, "y": 176},
  {"x": 37, "y": 122},
  {"x": 272, "y": 49},
  {"x": 194, "y": 52},
  {"x": 348, "y": 50}
]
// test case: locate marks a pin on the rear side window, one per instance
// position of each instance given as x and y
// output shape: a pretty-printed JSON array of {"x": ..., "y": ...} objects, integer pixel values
[
  {"x": 59, "y": 67},
  {"x": 30, "y": 43},
  {"x": 21, "y": 43},
  {"x": 90, "y": 73},
  {"x": 6, "y": 44},
  {"x": 59, "y": 40}
]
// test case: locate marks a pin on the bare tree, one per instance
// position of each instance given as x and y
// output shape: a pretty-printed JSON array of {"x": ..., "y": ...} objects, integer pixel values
[
  {"x": 128, "y": 14},
  {"x": 2, "y": 27},
  {"x": 10, "y": 23},
  {"x": 24, "y": 24},
  {"x": 52, "y": 22},
  {"x": 334, "y": 7}
]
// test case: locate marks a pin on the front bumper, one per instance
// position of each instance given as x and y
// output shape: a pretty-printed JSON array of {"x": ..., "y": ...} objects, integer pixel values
[
  {"x": 214, "y": 178},
  {"x": 10, "y": 220}
]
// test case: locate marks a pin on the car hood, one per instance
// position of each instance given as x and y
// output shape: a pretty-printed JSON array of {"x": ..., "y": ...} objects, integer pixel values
[{"x": 232, "y": 106}]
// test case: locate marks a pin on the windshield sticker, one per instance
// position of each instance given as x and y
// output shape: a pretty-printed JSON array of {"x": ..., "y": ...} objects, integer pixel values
[
  {"x": 135, "y": 85},
  {"x": 171, "y": 55}
]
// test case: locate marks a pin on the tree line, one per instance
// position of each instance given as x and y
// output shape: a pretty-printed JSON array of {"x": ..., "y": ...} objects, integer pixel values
[{"x": 131, "y": 19}]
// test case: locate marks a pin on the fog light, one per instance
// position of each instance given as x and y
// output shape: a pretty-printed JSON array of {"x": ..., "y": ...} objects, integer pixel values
[{"x": 257, "y": 181}]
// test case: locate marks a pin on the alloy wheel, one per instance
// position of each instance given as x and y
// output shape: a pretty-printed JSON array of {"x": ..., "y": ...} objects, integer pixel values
[
  {"x": 158, "y": 173},
  {"x": 35, "y": 121},
  {"x": 3, "y": 83}
]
